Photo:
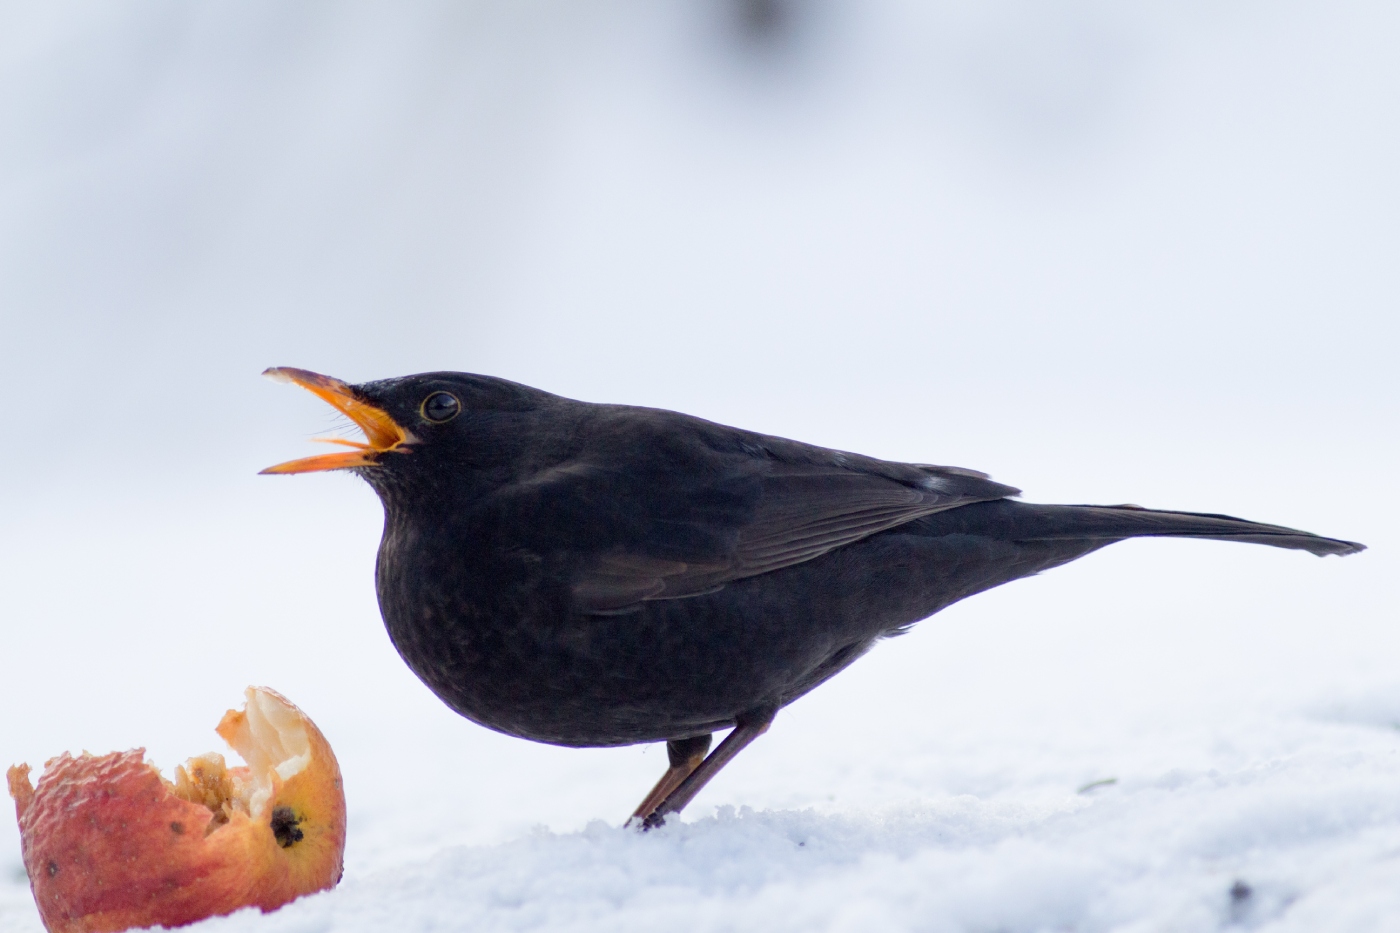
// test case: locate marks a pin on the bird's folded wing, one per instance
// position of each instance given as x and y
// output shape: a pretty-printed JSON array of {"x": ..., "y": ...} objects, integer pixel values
[{"x": 798, "y": 512}]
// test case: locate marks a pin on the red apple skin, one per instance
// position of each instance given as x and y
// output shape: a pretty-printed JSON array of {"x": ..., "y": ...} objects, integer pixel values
[{"x": 109, "y": 846}]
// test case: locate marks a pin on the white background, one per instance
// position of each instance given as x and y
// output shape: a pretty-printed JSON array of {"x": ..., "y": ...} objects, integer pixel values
[{"x": 1108, "y": 253}]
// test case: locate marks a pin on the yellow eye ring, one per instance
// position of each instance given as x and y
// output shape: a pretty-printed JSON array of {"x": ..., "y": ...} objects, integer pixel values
[{"x": 440, "y": 407}]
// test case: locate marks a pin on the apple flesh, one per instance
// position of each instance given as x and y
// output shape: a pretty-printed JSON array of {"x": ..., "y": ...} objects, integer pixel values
[{"x": 110, "y": 844}]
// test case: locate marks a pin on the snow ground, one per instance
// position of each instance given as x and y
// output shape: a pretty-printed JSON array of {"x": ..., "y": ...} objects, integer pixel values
[
  {"x": 1273, "y": 823},
  {"x": 1295, "y": 828}
]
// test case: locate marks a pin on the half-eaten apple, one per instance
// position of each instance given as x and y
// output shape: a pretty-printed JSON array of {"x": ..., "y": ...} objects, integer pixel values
[{"x": 110, "y": 844}]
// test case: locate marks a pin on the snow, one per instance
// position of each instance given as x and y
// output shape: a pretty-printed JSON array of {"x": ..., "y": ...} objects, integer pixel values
[
  {"x": 1109, "y": 253},
  {"x": 1299, "y": 834},
  {"x": 1296, "y": 832}
]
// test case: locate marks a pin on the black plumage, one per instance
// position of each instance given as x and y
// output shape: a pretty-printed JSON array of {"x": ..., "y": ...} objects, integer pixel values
[{"x": 594, "y": 575}]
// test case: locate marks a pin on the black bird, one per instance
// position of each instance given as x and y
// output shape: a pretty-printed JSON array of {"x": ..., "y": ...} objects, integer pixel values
[{"x": 597, "y": 575}]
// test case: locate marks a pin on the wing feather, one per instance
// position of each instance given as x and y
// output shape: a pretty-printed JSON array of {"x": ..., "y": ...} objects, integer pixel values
[
  {"x": 802, "y": 512},
  {"x": 643, "y": 504}
]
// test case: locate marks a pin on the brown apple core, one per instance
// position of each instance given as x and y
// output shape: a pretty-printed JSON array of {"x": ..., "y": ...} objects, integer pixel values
[
  {"x": 206, "y": 780},
  {"x": 271, "y": 740}
]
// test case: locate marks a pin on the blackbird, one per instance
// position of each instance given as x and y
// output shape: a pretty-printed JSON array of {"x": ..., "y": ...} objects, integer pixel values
[{"x": 598, "y": 575}]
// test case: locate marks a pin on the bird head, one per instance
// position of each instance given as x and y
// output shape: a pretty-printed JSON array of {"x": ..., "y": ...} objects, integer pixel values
[{"x": 410, "y": 423}]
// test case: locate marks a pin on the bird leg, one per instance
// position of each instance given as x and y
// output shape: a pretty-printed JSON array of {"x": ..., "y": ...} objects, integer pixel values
[
  {"x": 748, "y": 727},
  {"x": 685, "y": 756}
]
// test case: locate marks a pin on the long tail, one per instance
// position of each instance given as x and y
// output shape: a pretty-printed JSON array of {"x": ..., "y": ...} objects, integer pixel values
[{"x": 1027, "y": 521}]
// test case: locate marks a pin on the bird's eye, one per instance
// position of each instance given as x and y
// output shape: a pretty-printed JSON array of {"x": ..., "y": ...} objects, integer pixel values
[{"x": 440, "y": 407}]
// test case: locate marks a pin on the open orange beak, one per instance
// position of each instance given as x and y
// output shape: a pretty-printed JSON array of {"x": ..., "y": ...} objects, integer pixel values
[{"x": 381, "y": 431}]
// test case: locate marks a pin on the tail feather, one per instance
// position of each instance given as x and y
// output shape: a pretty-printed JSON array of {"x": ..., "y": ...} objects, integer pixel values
[{"x": 1028, "y": 521}]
